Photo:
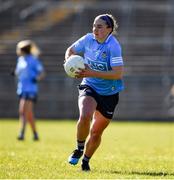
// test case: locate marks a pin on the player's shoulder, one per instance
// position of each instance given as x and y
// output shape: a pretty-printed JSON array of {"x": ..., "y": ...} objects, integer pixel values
[
  {"x": 21, "y": 58},
  {"x": 33, "y": 58},
  {"x": 114, "y": 42},
  {"x": 89, "y": 36}
]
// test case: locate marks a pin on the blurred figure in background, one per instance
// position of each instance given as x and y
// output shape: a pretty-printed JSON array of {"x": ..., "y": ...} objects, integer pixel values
[
  {"x": 29, "y": 71},
  {"x": 100, "y": 87}
]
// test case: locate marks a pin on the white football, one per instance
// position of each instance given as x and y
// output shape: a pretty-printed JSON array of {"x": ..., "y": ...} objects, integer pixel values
[{"x": 72, "y": 65}]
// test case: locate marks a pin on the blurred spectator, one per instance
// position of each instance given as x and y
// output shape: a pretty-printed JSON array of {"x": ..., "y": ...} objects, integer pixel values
[{"x": 29, "y": 70}]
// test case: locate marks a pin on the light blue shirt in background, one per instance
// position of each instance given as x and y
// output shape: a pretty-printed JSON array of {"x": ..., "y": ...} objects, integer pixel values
[
  {"x": 100, "y": 57},
  {"x": 27, "y": 69}
]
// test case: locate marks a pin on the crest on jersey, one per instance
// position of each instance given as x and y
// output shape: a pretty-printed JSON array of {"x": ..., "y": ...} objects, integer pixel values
[{"x": 104, "y": 55}]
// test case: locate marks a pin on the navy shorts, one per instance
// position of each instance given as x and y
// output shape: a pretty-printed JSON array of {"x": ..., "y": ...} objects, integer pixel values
[
  {"x": 28, "y": 96},
  {"x": 105, "y": 104}
]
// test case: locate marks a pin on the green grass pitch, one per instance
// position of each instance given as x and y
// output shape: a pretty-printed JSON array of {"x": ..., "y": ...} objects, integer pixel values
[{"x": 134, "y": 150}]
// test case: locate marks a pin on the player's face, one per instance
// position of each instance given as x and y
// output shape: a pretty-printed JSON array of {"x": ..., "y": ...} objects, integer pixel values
[{"x": 100, "y": 30}]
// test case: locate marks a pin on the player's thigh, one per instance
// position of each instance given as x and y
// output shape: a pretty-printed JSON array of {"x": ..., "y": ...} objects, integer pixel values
[
  {"x": 87, "y": 105},
  {"x": 99, "y": 123},
  {"x": 29, "y": 106},
  {"x": 22, "y": 105}
]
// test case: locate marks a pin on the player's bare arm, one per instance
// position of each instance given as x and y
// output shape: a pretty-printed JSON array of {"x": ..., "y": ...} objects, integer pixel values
[
  {"x": 69, "y": 52},
  {"x": 115, "y": 73}
]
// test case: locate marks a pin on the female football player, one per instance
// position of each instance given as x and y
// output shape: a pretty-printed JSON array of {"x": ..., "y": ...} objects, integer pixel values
[
  {"x": 100, "y": 87},
  {"x": 29, "y": 70}
]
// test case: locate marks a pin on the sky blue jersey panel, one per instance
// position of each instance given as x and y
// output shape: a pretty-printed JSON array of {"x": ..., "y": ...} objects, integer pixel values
[
  {"x": 27, "y": 69},
  {"x": 100, "y": 57}
]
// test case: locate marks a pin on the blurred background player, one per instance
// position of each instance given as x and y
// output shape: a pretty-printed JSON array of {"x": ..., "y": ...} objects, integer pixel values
[
  {"x": 29, "y": 70},
  {"x": 100, "y": 87}
]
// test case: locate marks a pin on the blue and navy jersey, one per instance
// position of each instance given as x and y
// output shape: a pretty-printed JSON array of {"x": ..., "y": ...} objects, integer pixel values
[
  {"x": 100, "y": 57},
  {"x": 27, "y": 69}
]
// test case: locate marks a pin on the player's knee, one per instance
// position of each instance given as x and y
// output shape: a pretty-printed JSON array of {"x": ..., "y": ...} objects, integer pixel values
[
  {"x": 21, "y": 112},
  {"x": 95, "y": 135},
  {"x": 86, "y": 117}
]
